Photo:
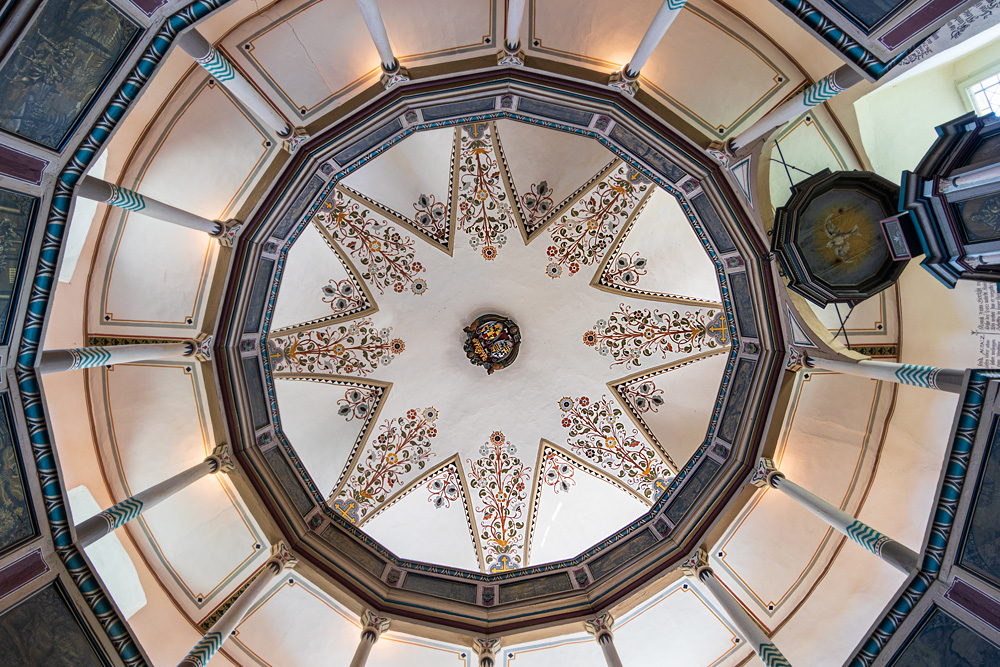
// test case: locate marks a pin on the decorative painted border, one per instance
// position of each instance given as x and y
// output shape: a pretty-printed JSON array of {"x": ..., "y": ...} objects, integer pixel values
[
  {"x": 944, "y": 518},
  {"x": 38, "y": 303}
]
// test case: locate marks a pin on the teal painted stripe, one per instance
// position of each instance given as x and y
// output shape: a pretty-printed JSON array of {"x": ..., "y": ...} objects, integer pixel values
[
  {"x": 867, "y": 537},
  {"x": 821, "y": 91},
  {"x": 676, "y": 4},
  {"x": 90, "y": 357},
  {"x": 126, "y": 199},
  {"x": 217, "y": 65},
  {"x": 204, "y": 650},
  {"x": 772, "y": 657},
  {"x": 917, "y": 376},
  {"x": 123, "y": 512}
]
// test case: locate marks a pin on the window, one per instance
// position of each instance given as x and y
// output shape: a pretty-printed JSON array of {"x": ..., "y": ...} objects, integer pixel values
[{"x": 985, "y": 95}]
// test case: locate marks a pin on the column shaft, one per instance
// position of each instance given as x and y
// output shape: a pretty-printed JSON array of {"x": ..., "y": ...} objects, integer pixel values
[
  {"x": 223, "y": 628},
  {"x": 745, "y": 624},
  {"x": 364, "y": 650},
  {"x": 929, "y": 377},
  {"x": 611, "y": 657},
  {"x": 102, "y": 191},
  {"x": 229, "y": 78},
  {"x": 515, "y": 14},
  {"x": 814, "y": 95},
  {"x": 657, "y": 29},
  {"x": 99, "y": 525},
  {"x": 376, "y": 28},
  {"x": 899, "y": 556},
  {"x": 970, "y": 179},
  {"x": 54, "y": 361}
]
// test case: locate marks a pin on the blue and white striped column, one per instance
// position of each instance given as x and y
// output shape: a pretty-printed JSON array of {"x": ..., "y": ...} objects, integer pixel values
[
  {"x": 280, "y": 560},
  {"x": 56, "y": 361},
  {"x": 229, "y": 78},
  {"x": 101, "y": 191},
  {"x": 928, "y": 377},
  {"x": 892, "y": 552},
  {"x": 106, "y": 522},
  {"x": 625, "y": 79},
  {"x": 814, "y": 95},
  {"x": 696, "y": 566}
]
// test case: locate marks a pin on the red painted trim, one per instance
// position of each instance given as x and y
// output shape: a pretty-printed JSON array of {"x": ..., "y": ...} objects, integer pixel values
[{"x": 21, "y": 572}]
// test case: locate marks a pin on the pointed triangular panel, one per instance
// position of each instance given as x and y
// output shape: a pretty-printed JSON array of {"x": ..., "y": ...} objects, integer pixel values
[
  {"x": 352, "y": 348},
  {"x": 658, "y": 256},
  {"x": 585, "y": 231},
  {"x": 412, "y": 183},
  {"x": 435, "y": 505},
  {"x": 673, "y": 404},
  {"x": 575, "y": 507},
  {"x": 741, "y": 172},
  {"x": 542, "y": 174},
  {"x": 326, "y": 420},
  {"x": 799, "y": 335},
  {"x": 317, "y": 285}
]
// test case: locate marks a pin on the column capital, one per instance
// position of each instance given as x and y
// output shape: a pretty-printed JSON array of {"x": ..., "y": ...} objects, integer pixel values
[
  {"x": 765, "y": 472},
  {"x": 374, "y": 624},
  {"x": 600, "y": 626},
  {"x": 622, "y": 82},
  {"x": 201, "y": 347},
  {"x": 282, "y": 557},
  {"x": 230, "y": 230},
  {"x": 696, "y": 563},
  {"x": 486, "y": 649},
  {"x": 222, "y": 455}
]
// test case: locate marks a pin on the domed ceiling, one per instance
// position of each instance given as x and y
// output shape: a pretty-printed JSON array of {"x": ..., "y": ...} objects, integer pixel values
[{"x": 621, "y": 353}]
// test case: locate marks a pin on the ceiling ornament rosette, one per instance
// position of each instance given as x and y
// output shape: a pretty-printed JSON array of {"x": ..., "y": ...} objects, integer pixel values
[{"x": 684, "y": 504}]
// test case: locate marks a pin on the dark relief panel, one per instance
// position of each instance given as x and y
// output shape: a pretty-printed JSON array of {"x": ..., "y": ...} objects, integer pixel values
[
  {"x": 42, "y": 631},
  {"x": 357, "y": 553},
  {"x": 614, "y": 558},
  {"x": 534, "y": 588},
  {"x": 944, "y": 641},
  {"x": 738, "y": 393},
  {"x": 979, "y": 218},
  {"x": 60, "y": 65},
  {"x": 16, "y": 521},
  {"x": 442, "y": 588},
  {"x": 980, "y": 550},
  {"x": 288, "y": 480},
  {"x": 692, "y": 489},
  {"x": 867, "y": 14},
  {"x": 17, "y": 215}
]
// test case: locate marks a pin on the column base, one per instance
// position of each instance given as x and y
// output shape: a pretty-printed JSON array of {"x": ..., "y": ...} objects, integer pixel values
[
  {"x": 299, "y": 135},
  {"x": 624, "y": 83},
  {"x": 510, "y": 58},
  {"x": 230, "y": 230},
  {"x": 392, "y": 78}
]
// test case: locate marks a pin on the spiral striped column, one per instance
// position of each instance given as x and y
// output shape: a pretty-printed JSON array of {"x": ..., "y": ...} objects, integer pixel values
[
  {"x": 103, "y": 523},
  {"x": 115, "y": 195},
  {"x": 892, "y": 552},
  {"x": 696, "y": 567},
  {"x": 56, "y": 361},
  {"x": 216, "y": 64},
  {"x": 280, "y": 560},
  {"x": 821, "y": 91},
  {"x": 928, "y": 377}
]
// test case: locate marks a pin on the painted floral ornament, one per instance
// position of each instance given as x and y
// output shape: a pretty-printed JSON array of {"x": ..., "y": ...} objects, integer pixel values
[{"x": 492, "y": 342}]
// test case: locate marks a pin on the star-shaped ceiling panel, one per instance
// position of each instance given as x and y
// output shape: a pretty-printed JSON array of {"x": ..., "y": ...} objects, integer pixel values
[{"x": 611, "y": 305}]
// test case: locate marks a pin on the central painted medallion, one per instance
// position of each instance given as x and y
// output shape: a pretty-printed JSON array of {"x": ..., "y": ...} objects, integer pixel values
[{"x": 492, "y": 341}]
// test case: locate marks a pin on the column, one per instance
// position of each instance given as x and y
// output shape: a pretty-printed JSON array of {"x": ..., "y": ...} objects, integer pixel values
[
  {"x": 511, "y": 54},
  {"x": 99, "y": 525},
  {"x": 280, "y": 560},
  {"x": 814, "y": 95},
  {"x": 102, "y": 191},
  {"x": 55, "y": 361},
  {"x": 970, "y": 179},
  {"x": 929, "y": 377},
  {"x": 487, "y": 650},
  {"x": 374, "y": 626},
  {"x": 625, "y": 79},
  {"x": 892, "y": 552},
  {"x": 392, "y": 73},
  {"x": 749, "y": 629},
  {"x": 233, "y": 81},
  {"x": 600, "y": 627}
]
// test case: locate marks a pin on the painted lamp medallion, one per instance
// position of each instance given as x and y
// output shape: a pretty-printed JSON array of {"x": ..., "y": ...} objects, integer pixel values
[{"x": 492, "y": 341}]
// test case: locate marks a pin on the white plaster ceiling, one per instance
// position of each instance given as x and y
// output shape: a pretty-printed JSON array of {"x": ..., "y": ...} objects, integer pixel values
[{"x": 455, "y": 452}]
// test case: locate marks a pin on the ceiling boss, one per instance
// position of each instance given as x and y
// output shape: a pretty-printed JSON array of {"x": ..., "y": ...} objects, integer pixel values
[{"x": 492, "y": 341}]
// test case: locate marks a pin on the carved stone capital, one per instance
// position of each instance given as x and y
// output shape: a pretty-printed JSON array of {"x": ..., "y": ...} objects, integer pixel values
[
  {"x": 623, "y": 83},
  {"x": 796, "y": 359},
  {"x": 223, "y": 457},
  {"x": 282, "y": 557},
  {"x": 720, "y": 152},
  {"x": 487, "y": 650},
  {"x": 696, "y": 563},
  {"x": 299, "y": 135},
  {"x": 201, "y": 347},
  {"x": 507, "y": 58},
  {"x": 600, "y": 626},
  {"x": 374, "y": 624},
  {"x": 764, "y": 473},
  {"x": 393, "y": 77}
]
